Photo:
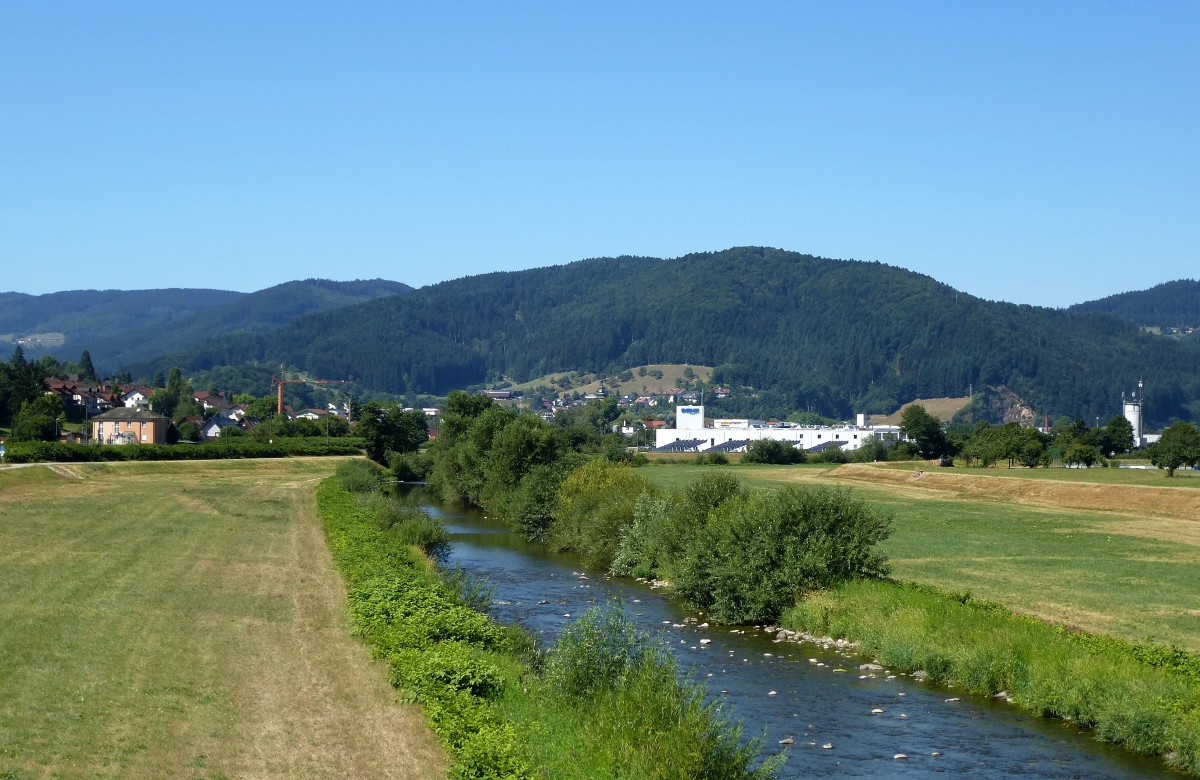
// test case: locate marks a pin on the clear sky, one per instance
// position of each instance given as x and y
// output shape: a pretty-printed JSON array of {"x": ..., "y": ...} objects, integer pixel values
[{"x": 1036, "y": 152}]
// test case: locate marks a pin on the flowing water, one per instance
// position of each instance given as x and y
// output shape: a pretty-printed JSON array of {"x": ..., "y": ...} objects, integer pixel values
[{"x": 844, "y": 722}]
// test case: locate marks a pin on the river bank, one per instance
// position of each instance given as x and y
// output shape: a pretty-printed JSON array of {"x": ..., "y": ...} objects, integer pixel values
[
  {"x": 1145, "y": 698},
  {"x": 801, "y": 696},
  {"x": 501, "y": 708}
]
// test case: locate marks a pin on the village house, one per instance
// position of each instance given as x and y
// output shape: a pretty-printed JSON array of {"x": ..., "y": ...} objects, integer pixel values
[
  {"x": 129, "y": 426},
  {"x": 211, "y": 428},
  {"x": 136, "y": 396},
  {"x": 87, "y": 399}
]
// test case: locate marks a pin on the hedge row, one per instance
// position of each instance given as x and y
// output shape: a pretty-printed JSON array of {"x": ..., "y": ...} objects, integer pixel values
[{"x": 41, "y": 451}]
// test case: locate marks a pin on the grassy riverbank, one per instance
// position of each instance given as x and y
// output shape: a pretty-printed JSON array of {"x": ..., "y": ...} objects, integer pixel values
[
  {"x": 1145, "y": 698},
  {"x": 185, "y": 619},
  {"x": 607, "y": 703}
]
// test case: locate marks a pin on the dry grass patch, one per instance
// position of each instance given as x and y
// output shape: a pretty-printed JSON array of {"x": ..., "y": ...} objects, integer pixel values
[
  {"x": 185, "y": 620},
  {"x": 1178, "y": 504},
  {"x": 942, "y": 408}
]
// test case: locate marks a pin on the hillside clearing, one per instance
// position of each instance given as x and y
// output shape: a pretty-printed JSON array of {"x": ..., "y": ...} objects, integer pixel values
[
  {"x": 185, "y": 619},
  {"x": 642, "y": 383},
  {"x": 942, "y": 408}
]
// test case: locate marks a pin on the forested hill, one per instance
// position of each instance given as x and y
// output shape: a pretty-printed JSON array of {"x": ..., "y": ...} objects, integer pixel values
[
  {"x": 834, "y": 335},
  {"x": 120, "y": 327},
  {"x": 1170, "y": 305}
]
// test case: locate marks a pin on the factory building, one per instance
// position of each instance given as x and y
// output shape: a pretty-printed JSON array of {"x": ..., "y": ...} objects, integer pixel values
[{"x": 692, "y": 434}]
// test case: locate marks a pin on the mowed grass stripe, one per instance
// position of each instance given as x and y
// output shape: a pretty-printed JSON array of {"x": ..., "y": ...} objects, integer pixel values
[{"x": 185, "y": 620}]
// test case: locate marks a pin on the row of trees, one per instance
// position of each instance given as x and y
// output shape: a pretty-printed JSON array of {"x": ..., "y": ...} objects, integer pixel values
[
  {"x": 1070, "y": 442},
  {"x": 736, "y": 554}
]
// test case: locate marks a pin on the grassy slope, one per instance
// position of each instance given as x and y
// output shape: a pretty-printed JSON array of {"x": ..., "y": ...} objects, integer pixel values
[
  {"x": 941, "y": 408},
  {"x": 1038, "y": 546},
  {"x": 185, "y": 620},
  {"x": 590, "y": 383}
]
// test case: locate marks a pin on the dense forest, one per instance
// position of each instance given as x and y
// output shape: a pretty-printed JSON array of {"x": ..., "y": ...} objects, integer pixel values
[
  {"x": 122, "y": 327},
  {"x": 1170, "y": 305},
  {"x": 833, "y": 336}
]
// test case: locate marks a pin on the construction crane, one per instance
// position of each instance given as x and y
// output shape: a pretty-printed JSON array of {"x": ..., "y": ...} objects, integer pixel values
[{"x": 280, "y": 380}]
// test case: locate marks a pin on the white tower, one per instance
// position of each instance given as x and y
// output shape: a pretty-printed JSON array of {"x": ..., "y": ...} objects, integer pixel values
[
  {"x": 1133, "y": 413},
  {"x": 689, "y": 418}
]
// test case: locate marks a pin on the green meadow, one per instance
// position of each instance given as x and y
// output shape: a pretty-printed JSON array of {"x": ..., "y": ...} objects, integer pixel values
[
  {"x": 186, "y": 620},
  {"x": 1111, "y": 551}
]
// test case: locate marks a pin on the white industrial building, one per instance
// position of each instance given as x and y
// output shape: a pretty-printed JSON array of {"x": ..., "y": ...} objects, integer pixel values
[{"x": 691, "y": 434}]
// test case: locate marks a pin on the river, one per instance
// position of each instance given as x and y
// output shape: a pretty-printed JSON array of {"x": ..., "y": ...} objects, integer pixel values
[{"x": 844, "y": 722}]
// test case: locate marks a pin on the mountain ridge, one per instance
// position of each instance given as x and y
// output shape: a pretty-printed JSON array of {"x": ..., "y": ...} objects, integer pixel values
[
  {"x": 120, "y": 327},
  {"x": 801, "y": 331}
]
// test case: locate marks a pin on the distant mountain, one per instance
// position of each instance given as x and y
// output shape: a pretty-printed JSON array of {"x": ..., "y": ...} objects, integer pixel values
[
  {"x": 1171, "y": 305},
  {"x": 123, "y": 327},
  {"x": 833, "y": 336},
  {"x": 86, "y": 312}
]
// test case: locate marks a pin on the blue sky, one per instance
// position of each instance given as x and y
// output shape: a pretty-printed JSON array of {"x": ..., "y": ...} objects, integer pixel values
[{"x": 1034, "y": 152}]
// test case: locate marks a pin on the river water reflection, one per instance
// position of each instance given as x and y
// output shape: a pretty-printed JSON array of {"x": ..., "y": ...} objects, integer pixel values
[{"x": 843, "y": 724}]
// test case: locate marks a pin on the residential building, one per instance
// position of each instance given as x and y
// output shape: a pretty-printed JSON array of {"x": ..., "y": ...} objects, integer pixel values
[{"x": 125, "y": 425}]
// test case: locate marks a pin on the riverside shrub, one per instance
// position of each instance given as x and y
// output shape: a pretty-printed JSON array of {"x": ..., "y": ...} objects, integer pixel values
[
  {"x": 359, "y": 476},
  {"x": 758, "y": 552},
  {"x": 411, "y": 525},
  {"x": 645, "y": 722},
  {"x": 595, "y": 508},
  {"x": 664, "y": 523}
]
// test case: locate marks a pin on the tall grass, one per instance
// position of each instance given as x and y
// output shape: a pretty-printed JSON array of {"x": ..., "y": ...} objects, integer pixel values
[
  {"x": 610, "y": 704},
  {"x": 1143, "y": 697},
  {"x": 621, "y": 687}
]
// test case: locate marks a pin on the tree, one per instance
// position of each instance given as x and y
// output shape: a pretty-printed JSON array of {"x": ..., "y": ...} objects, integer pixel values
[
  {"x": 1080, "y": 454},
  {"x": 925, "y": 430},
  {"x": 25, "y": 383},
  {"x": 459, "y": 413},
  {"x": 263, "y": 408},
  {"x": 171, "y": 400},
  {"x": 387, "y": 428},
  {"x": 753, "y": 556},
  {"x": 1117, "y": 436},
  {"x": 86, "y": 369},
  {"x": 39, "y": 420},
  {"x": 523, "y": 443},
  {"x": 595, "y": 502},
  {"x": 1179, "y": 446},
  {"x": 772, "y": 451},
  {"x": 873, "y": 449}
]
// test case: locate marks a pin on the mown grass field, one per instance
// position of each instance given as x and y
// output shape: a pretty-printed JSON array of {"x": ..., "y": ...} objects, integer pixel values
[
  {"x": 185, "y": 620},
  {"x": 1100, "y": 550}
]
